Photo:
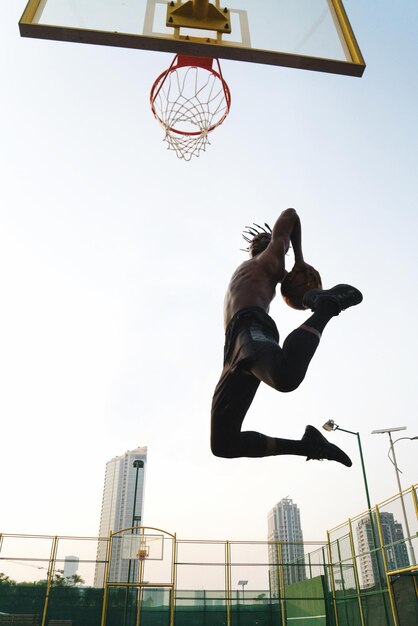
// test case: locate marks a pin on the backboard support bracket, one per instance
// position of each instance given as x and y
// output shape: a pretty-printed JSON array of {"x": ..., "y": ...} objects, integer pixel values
[{"x": 199, "y": 14}]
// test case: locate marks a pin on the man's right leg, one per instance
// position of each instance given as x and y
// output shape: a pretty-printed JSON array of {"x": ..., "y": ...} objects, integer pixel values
[
  {"x": 231, "y": 401},
  {"x": 232, "y": 398}
]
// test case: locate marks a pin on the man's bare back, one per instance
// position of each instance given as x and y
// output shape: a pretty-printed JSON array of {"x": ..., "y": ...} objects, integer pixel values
[{"x": 249, "y": 286}]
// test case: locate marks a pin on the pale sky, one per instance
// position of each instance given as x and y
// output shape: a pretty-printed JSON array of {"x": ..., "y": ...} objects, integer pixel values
[{"x": 115, "y": 257}]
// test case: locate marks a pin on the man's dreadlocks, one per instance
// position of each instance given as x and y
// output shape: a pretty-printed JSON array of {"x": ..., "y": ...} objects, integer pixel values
[{"x": 254, "y": 236}]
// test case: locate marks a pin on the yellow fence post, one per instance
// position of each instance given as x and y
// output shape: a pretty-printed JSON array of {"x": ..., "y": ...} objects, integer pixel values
[
  {"x": 228, "y": 582},
  {"x": 281, "y": 582},
  {"x": 174, "y": 559},
  {"x": 356, "y": 576},
  {"x": 415, "y": 499},
  {"x": 50, "y": 577},
  {"x": 331, "y": 571},
  {"x": 106, "y": 578},
  {"x": 385, "y": 565}
]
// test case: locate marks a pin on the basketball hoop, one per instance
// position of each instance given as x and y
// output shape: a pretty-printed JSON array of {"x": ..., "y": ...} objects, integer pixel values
[
  {"x": 142, "y": 554},
  {"x": 143, "y": 550},
  {"x": 190, "y": 99}
]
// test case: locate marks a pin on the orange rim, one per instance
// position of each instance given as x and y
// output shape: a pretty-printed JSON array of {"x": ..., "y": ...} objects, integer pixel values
[{"x": 190, "y": 61}]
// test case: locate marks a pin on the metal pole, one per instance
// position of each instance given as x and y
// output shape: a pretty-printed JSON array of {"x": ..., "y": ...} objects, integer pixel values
[
  {"x": 354, "y": 561},
  {"x": 385, "y": 565},
  {"x": 106, "y": 579},
  {"x": 50, "y": 578},
  {"x": 364, "y": 471},
  {"x": 228, "y": 582},
  {"x": 408, "y": 532},
  {"x": 281, "y": 582},
  {"x": 372, "y": 528},
  {"x": 137, "y": 464},
  {"x": 331, "y": 573},
  {"x": 362, "y": 463}
]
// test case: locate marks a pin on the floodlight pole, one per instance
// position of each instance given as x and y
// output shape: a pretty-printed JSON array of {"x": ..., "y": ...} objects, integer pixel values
[
  {"x": 389, "y": 431},
  {"x": 331, "y": 425},
  {"x": 137, "y": 464},
  {"x": 362, "y": 462}
]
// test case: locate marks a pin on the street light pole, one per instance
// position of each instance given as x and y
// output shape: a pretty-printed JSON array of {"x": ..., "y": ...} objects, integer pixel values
[
  {"x": 330, "y": 425},
  {"x": 389, "y": 431},
  {"x": 137, "y": 464},
  {"x": 243, "y": 583}
]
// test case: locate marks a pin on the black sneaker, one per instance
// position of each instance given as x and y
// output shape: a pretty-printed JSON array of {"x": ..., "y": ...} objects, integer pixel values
[
  {"x": 318, "y": 448},
  {"x": 344, "y": 296}
]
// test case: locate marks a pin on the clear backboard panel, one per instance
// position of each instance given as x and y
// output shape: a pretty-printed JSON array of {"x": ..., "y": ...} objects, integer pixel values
[
  {"x": 141, "y": 546},
  {"x": 304, "y": 34}
]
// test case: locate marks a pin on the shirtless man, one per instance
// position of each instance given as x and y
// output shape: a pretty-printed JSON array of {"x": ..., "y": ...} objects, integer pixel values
[{"x": 252, "y": 352}]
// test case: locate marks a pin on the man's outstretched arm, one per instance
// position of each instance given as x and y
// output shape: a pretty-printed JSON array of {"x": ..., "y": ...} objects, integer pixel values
[{"x": 287, "y": 230}]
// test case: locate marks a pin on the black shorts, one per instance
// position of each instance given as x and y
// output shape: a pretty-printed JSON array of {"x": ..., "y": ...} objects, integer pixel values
[{"x": 249, "y": 334}]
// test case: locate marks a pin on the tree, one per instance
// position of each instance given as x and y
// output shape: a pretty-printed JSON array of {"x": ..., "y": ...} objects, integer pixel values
[
  {"x": 75, "y": 579},
  {"x": 66, "y": 581},
  {"x": 6, "y": 580},
  {"x": 261, "y": 597},
  {"x": 58, "y": 580}
]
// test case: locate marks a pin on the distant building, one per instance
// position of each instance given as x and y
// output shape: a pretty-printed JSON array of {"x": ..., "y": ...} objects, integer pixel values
[
  {"x": 394, "y": 541},
  {"x": 70, "y": 566},
  {"x": 284, "y": 525},
  {"x": 368, "y": 561},
  {"x": 117, "y": 510}
]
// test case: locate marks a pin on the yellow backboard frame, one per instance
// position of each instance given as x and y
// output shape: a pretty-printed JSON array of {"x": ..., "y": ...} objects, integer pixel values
[{"x": 212, "y": 46}]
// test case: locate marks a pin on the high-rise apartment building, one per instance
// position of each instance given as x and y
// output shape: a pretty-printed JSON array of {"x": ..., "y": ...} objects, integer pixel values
[
  {"x": 369, "y": 546},
  {"x": 122, "y": 507},
  {"x": 70, "y": 566},
  {"x": 284, "y": 526}
]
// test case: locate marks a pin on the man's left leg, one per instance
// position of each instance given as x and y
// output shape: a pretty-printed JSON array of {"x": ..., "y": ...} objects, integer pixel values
[{"x": 284, "y": 369}]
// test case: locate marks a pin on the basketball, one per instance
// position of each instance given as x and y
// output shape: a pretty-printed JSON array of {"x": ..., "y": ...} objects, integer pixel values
[{"x": 296, "y": 283}]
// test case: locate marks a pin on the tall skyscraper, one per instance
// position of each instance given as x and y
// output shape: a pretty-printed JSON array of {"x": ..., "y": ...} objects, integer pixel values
[
  {"x": 123, "y": 488},
  {"x": 284, "y": 525},
  {"x": 394, "y": 541}
]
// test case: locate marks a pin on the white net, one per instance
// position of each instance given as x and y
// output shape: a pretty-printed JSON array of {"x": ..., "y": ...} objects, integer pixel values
[
  {"x": 189, "y": 102},
  {"x": 186, "y": 146}
]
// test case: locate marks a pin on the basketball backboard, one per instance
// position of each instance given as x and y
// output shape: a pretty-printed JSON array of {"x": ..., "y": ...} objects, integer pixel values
[
  {"x": 303, "y": 34},
  {"x": 150, "y": 547}
]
